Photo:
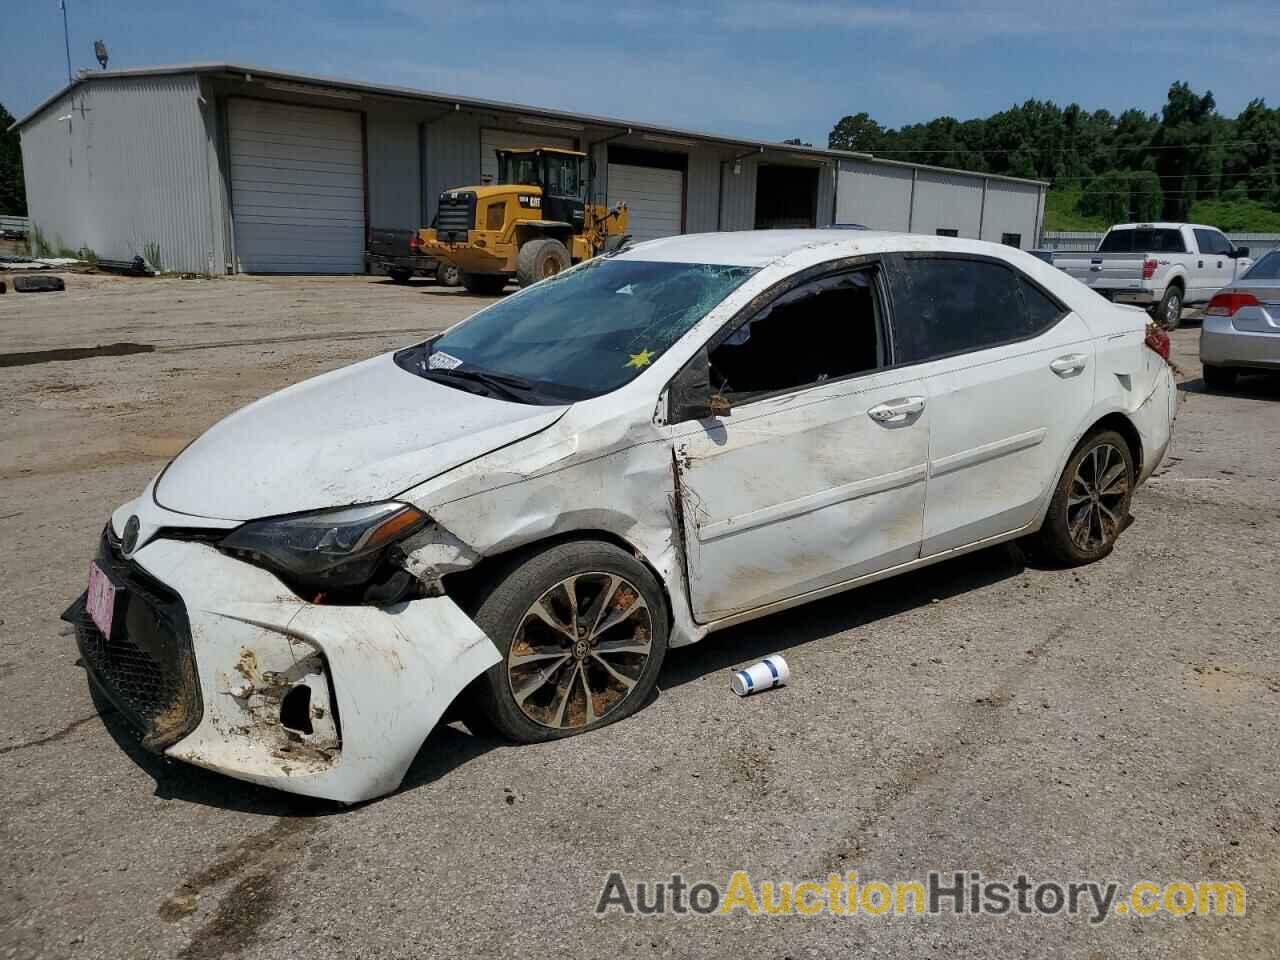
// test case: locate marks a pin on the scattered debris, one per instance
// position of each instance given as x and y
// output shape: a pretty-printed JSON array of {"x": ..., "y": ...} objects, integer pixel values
[
  {"x": 11, "y": 263},
  {"x": 765, "y": 674}
]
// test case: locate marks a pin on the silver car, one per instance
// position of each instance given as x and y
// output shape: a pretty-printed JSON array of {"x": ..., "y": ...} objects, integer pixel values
[{"x": 1241, "y": 329}]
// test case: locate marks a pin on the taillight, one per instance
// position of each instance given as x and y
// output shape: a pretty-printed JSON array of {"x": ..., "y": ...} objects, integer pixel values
[
  {"x": 1226, "y": 304},
  {"x": 415, "y": 242},
  {"x": 1148, "y": 269}
]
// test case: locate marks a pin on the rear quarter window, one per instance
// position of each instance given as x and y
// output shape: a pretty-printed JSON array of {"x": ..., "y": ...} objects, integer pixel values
[{"x": 945, "y": 306}]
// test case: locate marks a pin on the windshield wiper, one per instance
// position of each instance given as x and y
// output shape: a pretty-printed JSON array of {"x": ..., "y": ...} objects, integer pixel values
[{"x": 504, "y": 384}]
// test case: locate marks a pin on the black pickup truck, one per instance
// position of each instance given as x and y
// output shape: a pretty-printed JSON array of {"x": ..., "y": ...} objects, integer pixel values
[{"x": 395, "y": 253}]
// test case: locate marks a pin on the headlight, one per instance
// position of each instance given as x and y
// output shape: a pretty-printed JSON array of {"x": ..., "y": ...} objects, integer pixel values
[{"x": 329, "y": 548}]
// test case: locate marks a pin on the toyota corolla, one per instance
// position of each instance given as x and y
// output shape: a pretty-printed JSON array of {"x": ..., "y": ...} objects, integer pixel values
[{"x": 524, "y": 513}]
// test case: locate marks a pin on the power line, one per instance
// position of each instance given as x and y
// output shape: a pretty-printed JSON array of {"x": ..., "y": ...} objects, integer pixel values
[{"x": 1102, "y": 148}]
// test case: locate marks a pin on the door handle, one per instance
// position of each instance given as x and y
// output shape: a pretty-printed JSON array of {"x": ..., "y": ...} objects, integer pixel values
[
  {"x": 895, "y": 411},
  {"x": 1069, "y": 365}
]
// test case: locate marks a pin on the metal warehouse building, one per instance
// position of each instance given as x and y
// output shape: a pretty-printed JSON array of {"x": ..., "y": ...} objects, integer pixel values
[{"x": 218, "y": 168}]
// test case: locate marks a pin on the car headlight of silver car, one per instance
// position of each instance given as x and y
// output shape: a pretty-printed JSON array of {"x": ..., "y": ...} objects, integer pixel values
[{"x": 325, "y": 549}]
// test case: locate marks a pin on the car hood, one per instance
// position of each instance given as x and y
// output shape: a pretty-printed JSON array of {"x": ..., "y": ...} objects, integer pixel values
[{"x": 357, "y": 435}]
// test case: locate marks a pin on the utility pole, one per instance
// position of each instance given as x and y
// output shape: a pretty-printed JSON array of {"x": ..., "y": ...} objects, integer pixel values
[{"x": 66, "y": 38}]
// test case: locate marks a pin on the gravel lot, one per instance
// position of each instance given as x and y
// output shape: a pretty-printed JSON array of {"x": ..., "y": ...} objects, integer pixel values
[{"x": 1114, "y": 722}]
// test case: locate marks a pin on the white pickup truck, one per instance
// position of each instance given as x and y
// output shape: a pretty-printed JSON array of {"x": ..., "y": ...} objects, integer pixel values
[{"x": 1162, "y": 266}]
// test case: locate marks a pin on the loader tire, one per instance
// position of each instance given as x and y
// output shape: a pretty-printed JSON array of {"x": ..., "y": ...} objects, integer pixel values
[
  {"x": 38, "y": 284},
  {"x": 539, "y": 259}
]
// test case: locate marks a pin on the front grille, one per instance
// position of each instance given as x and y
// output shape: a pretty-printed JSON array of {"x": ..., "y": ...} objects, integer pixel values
[
  {"x": 455, "y": 216},
  {"x": 147, "y": 666}
]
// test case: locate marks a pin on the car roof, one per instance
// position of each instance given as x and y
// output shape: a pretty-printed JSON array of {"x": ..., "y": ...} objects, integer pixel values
[{"x": 751, "y": 248}]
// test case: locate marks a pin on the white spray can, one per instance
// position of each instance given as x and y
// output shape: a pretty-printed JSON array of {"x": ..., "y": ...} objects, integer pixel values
[{"x": 770, "y": 672}]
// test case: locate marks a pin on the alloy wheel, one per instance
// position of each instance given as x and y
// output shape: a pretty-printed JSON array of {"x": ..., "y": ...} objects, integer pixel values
[
  {"x": 580, "y": 650},
  {"x": 1097, "y": 496},
  {"x": 1173, "y": 311}
]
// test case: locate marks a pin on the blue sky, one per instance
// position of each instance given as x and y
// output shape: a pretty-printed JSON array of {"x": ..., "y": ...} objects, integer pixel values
[{"x": 758, "y": 68}]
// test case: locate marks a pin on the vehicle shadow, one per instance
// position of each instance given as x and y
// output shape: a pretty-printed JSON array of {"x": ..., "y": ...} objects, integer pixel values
[
  {"x": 1249, "y": 386},
  {"x": 181, "y": 781},
  {"x": 855, "y": 608}
]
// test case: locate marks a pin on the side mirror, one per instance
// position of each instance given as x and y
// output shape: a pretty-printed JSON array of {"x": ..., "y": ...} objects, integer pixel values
[
  {"x": 689, "y": 396},
  {"x": 1241, "y": 253}
]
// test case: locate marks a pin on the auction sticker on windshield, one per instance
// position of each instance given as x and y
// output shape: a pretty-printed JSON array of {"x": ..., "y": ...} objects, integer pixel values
[
  {"x": 101, "y": 599},
  {"x": 443, "y": 361}
]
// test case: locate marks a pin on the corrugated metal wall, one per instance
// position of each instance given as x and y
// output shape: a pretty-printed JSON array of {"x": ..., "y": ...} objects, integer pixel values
[
  {"x": 874, "y": 195},
  {"x": 395, "y": 186},
  {"x": 700, "y": 191},
  {"x": 947, "y": 201},
  {"x": 127, "y": 173},
  {"x": 452, "y": 156},
  {"x": 1011, "y": 208},
  {"x": 739, "y": 200}
]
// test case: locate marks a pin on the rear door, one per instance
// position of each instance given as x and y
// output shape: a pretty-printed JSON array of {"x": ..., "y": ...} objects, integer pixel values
[
  {"x": 1008, "y": 373},
  {"x": 817, "y": 476}
]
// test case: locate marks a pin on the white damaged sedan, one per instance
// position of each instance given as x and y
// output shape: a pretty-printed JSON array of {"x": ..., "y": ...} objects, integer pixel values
[{"x": 529, "y": 509}]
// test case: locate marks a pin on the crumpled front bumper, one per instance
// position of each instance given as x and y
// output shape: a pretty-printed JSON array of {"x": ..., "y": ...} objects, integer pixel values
[{"x": 376, "y": 679}]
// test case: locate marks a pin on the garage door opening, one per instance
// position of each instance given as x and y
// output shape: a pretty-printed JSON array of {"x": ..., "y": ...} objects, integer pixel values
[
  {"x": 652, "y": 184},
  {"x": 786, "y": 197}
]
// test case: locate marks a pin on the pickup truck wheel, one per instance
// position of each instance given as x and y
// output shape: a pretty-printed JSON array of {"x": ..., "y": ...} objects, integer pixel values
[
  {"x": 399, "y": 275},
  {"x": 539, "y": 259},
  {"x": 447, "y": 275},
  {"x": 582, "y": 629},
  {"x": 1090, "y": 507},
  {"x": 1219, "y": 378},
  {"x": 486, "y": 284},
  {"x": 1169, "y": 311}
]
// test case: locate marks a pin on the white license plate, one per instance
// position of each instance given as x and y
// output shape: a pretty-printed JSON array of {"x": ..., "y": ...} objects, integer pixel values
[{"x": 101, "y": 600}]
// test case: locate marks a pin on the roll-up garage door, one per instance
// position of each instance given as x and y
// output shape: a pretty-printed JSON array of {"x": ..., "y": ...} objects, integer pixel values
[
  {"x": 297, "y": 188},
  {"x": 491, "y": 140},
  {"x": 654, "y": 197}
]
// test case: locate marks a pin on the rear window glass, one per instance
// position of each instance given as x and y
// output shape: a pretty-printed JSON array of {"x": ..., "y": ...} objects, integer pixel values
[
  {"x": 1143, "y": 240},
  {"x": 1268, "y": 268}
]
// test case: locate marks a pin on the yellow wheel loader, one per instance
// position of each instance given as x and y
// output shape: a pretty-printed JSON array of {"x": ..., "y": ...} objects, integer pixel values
[{"x": 534, "y": 222}]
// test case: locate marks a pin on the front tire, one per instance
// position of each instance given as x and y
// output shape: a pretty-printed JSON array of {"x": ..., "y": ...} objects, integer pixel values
[
  {"x": 1219, "y": 378},
  {"x": 1090, "y": 507},
  {"x": 539, "y": 259},
  {"x": 582, "y": 629},
  {"x": 485, "y": 284},
  {"x": 1169, "y": 311},
  {"x": 448, "y": 275}
]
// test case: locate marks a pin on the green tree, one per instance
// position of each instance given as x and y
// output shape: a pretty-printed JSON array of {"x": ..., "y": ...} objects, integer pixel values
[
  {"x": 13, "y": 192},
  {"x": 858, "y": 133},
  {"x": 1187, "y": 158}
]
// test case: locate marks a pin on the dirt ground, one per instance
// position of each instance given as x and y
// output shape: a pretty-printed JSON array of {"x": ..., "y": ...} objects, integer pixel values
[{"x": 1116, "y": 722}]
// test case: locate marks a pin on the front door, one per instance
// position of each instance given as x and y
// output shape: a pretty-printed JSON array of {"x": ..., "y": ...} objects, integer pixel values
[
  {"x": 817, "y": 476},
  {"x": 1009, "y": 375}
]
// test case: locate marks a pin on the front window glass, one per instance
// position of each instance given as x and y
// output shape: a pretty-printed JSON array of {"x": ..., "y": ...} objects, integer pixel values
[
  {"x": 522, "y": 168},
  {"x": 581, "y": 334},
  {"x": 1268, "y": 268}
]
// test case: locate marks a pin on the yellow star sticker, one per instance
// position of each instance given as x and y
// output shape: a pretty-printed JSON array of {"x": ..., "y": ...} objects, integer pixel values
[{"x": 641, "y": 359}]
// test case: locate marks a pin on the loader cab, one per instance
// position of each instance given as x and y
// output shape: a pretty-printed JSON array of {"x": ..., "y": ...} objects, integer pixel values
[{"x": 560, "y": 174}]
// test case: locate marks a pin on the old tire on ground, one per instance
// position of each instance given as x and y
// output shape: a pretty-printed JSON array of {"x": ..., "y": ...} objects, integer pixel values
[
  {"x": 447, "y": 275},
  {"x": 582, "y": 629},
  {"x": 539, "y": 259},
  {"x": 399, "y": 275},
  {"x": 1090, "y": 507},
  {"x": 1168, "y": 313},
  {"x": 1219, "y": 378},
  {"x": 487, "y": 284},
  {"x": 38, "y": 284}
]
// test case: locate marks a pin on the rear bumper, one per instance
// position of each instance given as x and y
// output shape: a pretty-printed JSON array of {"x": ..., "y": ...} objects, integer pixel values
[
  {"x": 360, "y": 687},
  {"x": 379, "y": 261},
  {"x": 1222, "y": 345},
  {"x": 1154, "y": 420}
]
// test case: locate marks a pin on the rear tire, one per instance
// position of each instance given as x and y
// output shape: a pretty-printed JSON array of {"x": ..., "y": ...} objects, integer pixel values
[
  {"x": 399, "y": 275},
  {"x": 485, "y": 284},
  {"x": 447, "y": 275},
  {"x": 1090, "y": 507},
  {"x": 539, "y": 259},
  {"x": 1169, "y": 311},
  {"x": 1219, "y": 378},
  {"x": 582, "y": 629}
]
